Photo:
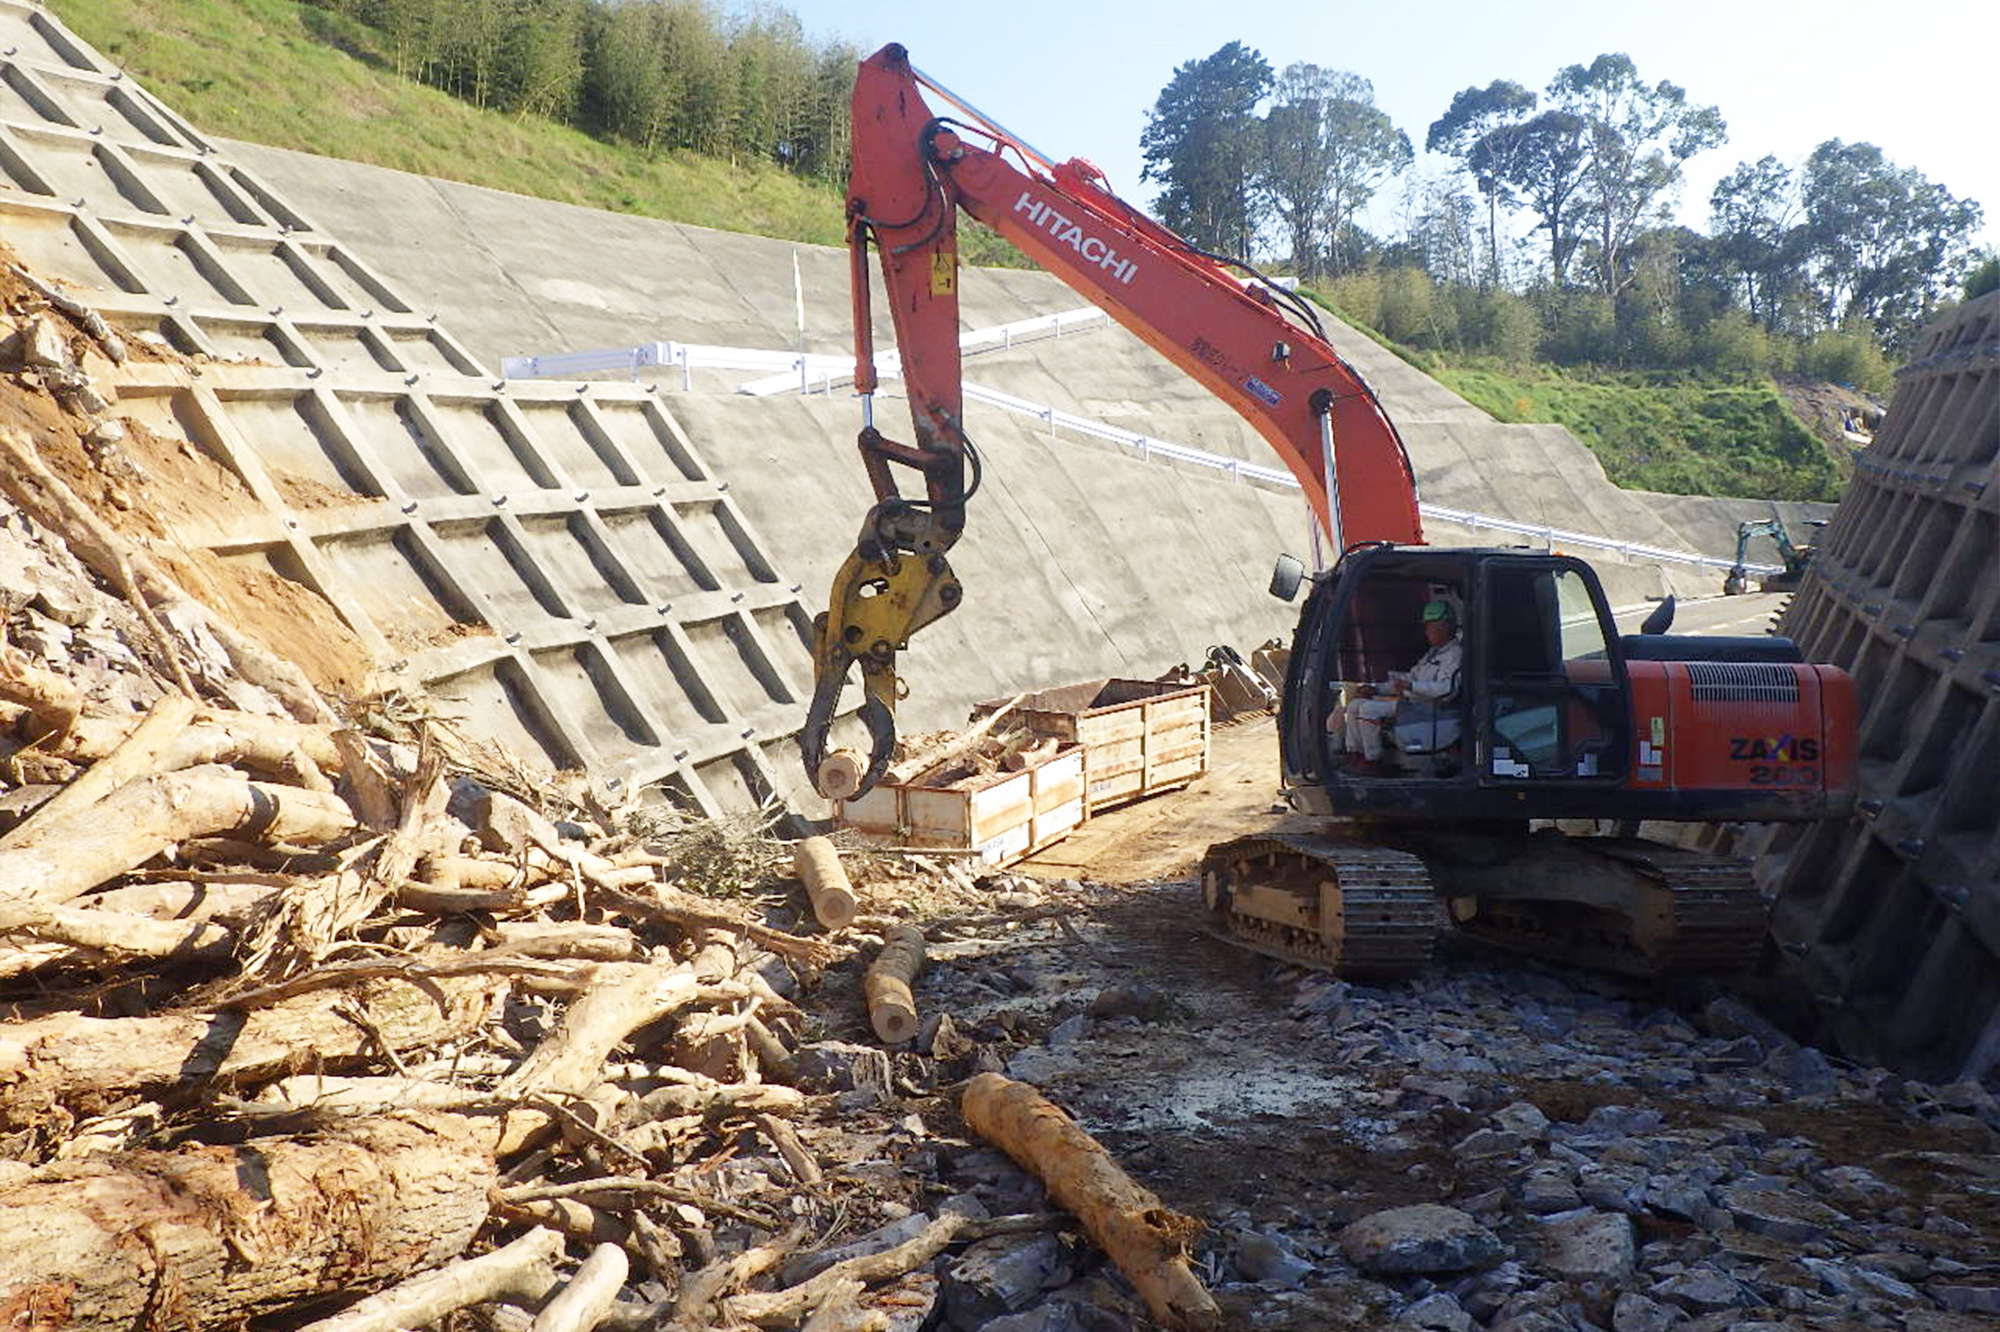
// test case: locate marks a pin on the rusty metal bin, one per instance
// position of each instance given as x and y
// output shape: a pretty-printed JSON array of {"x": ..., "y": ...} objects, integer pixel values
[{"x": 1139, "y": 737}]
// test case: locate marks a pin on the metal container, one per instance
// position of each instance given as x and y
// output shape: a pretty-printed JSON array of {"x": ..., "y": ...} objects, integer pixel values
[{"x": 1138, "y": 737}]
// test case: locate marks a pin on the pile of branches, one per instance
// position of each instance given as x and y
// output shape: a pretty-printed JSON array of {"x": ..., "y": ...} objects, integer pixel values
[
  {"x": 297, "y": 1012},
  {"x": 352, "y": 1028}
]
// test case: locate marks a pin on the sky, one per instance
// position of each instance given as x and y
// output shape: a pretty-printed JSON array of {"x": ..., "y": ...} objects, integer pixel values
[{"x": 1075, "y": 78}]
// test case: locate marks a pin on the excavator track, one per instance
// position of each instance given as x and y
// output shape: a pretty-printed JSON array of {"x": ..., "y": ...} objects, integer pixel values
[
  {"x": 1680, "y": 912},
  {"x": 1325, "y": 903}
]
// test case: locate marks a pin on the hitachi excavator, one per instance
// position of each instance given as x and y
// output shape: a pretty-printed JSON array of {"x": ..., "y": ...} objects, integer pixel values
[{"x": 1554, "y": 716}]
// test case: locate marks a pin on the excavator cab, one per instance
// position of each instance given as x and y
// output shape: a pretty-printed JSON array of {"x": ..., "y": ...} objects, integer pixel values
[{"x": 1541, "y": 696}]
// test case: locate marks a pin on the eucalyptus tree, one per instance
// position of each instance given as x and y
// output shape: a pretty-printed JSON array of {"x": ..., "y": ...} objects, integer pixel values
[
  {"x": 1201, "y": 145},
  {"x": 1639, "y": 134}
]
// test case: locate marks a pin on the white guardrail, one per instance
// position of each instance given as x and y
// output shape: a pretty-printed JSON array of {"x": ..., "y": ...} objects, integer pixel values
[{"x": 805, "y": 373}]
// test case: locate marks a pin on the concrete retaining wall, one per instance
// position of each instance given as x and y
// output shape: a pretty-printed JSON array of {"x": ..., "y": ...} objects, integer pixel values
[{"x": 1892, "y": 921}]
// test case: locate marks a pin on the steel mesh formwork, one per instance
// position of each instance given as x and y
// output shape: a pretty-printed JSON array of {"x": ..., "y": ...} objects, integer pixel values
[
  {"x": 1892, "y": 921},
  {"x": 555, "y": 559}
]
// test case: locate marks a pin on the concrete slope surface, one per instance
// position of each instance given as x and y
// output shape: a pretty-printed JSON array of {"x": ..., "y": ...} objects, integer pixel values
[{"x": 562, "y": 566}]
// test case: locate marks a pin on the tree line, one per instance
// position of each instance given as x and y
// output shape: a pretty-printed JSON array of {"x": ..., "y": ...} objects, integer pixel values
[
  {"x": 1279, "y": 164},
  {"x": 656, "y": 74},
  {"x": 1845, "y": 252}
]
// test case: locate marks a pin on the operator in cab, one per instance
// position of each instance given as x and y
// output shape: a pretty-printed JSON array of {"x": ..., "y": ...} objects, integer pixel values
[{"x": 1407, "y": 698}]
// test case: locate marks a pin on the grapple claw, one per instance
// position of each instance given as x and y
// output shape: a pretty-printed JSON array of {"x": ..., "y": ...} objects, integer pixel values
[{"x": 877, "y": 602}]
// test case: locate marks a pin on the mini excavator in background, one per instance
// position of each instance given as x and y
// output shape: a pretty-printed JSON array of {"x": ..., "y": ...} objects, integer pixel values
[{"x": 1557, "y": 716}]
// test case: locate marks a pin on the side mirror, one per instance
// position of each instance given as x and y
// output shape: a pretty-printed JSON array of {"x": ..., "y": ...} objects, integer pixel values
[
  {"x": 1286, "y": 576},
  {"x": 1662, "y": 618}
]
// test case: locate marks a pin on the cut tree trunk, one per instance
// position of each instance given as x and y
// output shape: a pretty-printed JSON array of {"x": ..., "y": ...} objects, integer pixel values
[
  {"x": 892, "y": 1011},
  {"x": 71, "y": 1059},
  {"x": 67, "y": 857},
  {"x": 819, "y": 868},
  {"x": 1146, "y": 1239},
  {"x": 921, "y": 761},
  {"x": 210, "y": 1236},
  {"x": 840, "y": 774}
]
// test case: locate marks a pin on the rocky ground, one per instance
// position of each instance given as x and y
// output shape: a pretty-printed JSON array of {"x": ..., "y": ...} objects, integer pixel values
[{"x": 1492, "y": 1145}]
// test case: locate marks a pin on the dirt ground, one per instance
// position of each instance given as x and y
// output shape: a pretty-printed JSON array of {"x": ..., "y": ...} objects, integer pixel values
[
  {"x": 1163, "y": 837},
  {"x": 1240, "y": 1110}
]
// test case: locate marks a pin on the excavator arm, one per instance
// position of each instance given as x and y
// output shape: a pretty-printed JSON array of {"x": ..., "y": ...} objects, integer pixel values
[{"x": 1258, "y": 348}]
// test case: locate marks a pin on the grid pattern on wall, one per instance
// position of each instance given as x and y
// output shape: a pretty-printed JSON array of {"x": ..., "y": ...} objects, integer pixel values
[
  {"x": 1893, "y": 920},
  {"x": 553, "y": 560}
]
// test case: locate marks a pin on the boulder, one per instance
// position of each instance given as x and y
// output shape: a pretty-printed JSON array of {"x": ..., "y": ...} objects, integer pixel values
[
  {"x": 1587, "y": 1246},
  {"x": 1420, "y": 1239}
]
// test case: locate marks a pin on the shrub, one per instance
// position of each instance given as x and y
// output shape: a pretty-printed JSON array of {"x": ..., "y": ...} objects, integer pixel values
[
  {"x": 1411, "y": 311},
  {"x": 1733, "y": 343},
  {"x": 1848, "y": 355},
  {"x": 1984, "y": 278},
  {"x": 1358, "y": 297},
  {"x": 1578, "y": 327}
]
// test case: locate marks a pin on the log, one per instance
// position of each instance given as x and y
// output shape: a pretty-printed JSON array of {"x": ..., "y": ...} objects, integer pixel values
[
  {"x": 522, "y": 1271},
  {"x": 773, "y": 1059},
  {"x": 840, "y": 774},
  {"x": 699, "y": 913},
  {"x": 577, "y": 1220},
  {"x": 618, "y": 1191},
  {"x": 696, "y": 1303},
  {"x": 582, "y": 1304},
  {"x": 439, "y": 899},
  {"x": 914, "y": 765},
  {"x": 1147, "y": 1241},
  {"x": 53, "y": 701},
  {"x": 68, "y": 857},
  {"x": 370, "y": 1095},
  {"x": 137, "y": 757},
  {"x": 221, "y": 1234},
  {"x": 785, "y": 1139},
  {"x": 570, "y": 939},
  {"x": 622, "y": 997},
  {"x": 840, "y": 1313},
  {"x": 102, "y": 936},
  {"x": 777, "y": 1308},
  {"x": 68, "y": 1058},
  {"x": 708, "y": 1097},
  {"x": 819, "y": 868},
  {"x": 274, "y": 745},
  {"x": 1040, "y": 750},
  {"x": 892, "y": 1010},
  {"x": 229, "y": 898}
]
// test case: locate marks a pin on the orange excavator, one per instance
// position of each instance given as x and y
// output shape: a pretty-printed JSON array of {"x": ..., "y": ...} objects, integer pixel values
[{"x": 1549, "y": 715}]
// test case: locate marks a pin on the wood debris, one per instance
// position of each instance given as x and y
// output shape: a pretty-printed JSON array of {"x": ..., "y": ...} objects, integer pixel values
[{"x": 314, "y": 1011}]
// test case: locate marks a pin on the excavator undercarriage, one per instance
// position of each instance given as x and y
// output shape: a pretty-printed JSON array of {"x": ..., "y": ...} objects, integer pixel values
[{"x": 1338, "y": 903}]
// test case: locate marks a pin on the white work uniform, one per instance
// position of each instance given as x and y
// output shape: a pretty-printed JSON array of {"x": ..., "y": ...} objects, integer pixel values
[{"x": 1432, "y": 679}]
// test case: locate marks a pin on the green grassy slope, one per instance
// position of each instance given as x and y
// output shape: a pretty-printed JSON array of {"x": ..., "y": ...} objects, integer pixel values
[
  {"x": 1689, "y": 438},
  {"x": 278, "y": 72}
]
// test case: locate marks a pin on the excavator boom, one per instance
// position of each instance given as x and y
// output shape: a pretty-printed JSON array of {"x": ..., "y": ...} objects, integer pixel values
[{"x": 1257, "y": 347}]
